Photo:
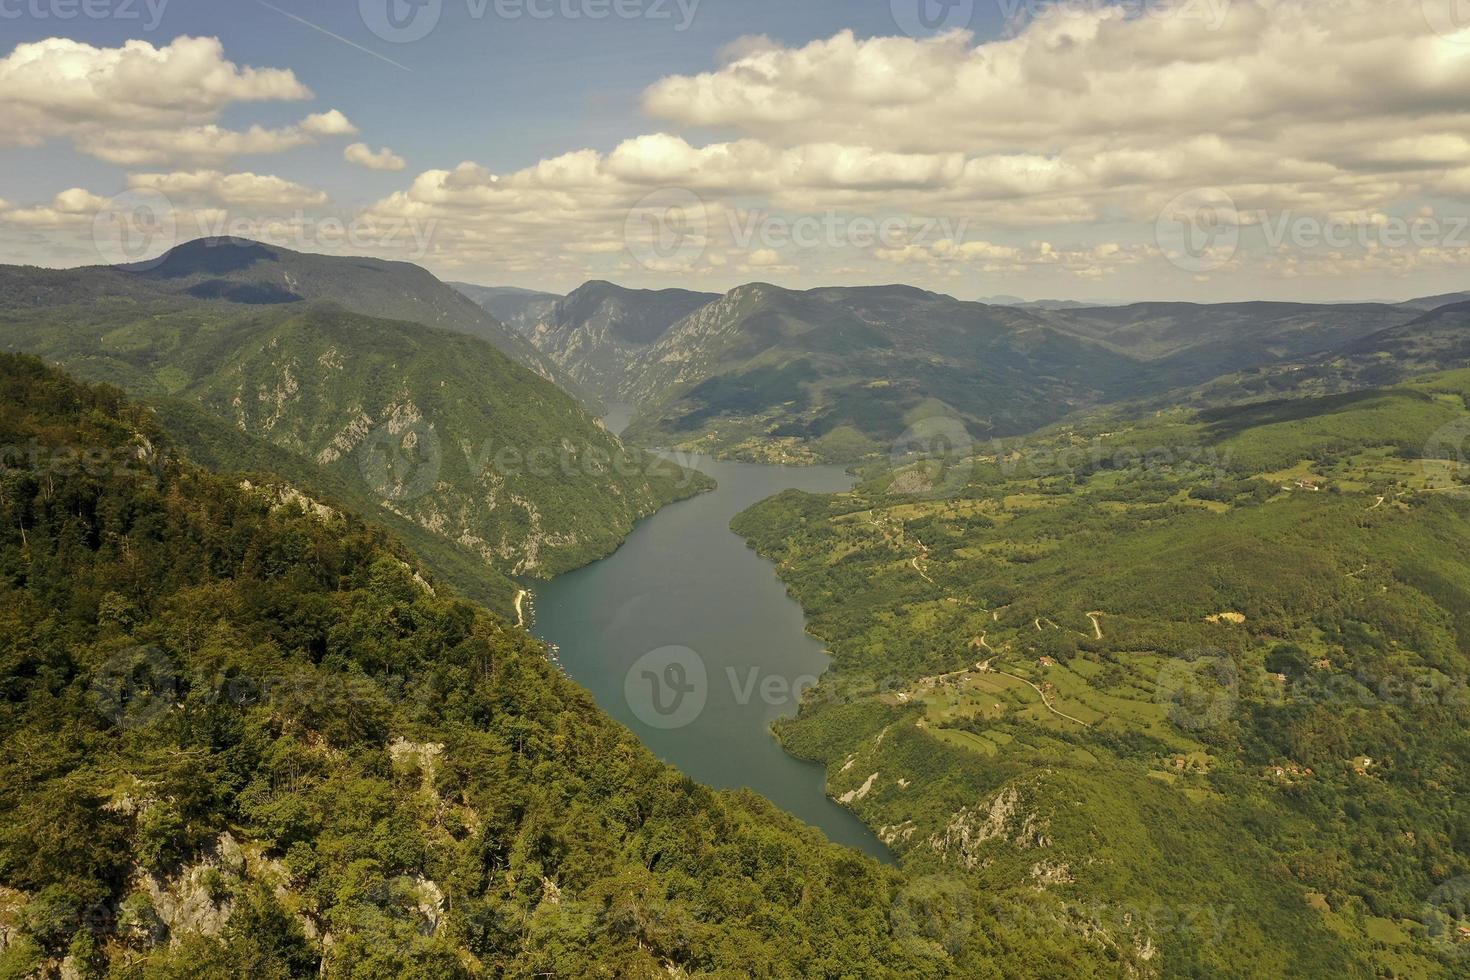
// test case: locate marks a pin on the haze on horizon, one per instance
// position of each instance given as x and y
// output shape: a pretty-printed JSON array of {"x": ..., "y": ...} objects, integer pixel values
[{"x": 1203, "y": 150}]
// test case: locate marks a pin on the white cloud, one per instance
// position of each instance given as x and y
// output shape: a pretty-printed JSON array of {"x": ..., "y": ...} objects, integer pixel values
[
  {"x": 52, "y": 87},
  {"x": 72, "y": 207},
  {"x": 1085, "y": 122},
  {"x": 363, "y": 155},
  {"x": 239, "y": 190},
  {"x": 329, "y": 123},
  {"x": 140, "y": 104}
]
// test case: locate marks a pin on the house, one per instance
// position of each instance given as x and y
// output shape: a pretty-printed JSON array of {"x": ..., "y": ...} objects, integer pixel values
[{"x": 1047, "y": 662}]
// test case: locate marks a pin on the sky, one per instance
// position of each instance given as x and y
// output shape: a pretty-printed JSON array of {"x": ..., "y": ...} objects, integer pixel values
[{"x": 1101, "y": 150}]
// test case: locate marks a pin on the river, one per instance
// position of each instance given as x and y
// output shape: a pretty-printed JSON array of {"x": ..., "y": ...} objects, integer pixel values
[{"x": 687, "y": 636}]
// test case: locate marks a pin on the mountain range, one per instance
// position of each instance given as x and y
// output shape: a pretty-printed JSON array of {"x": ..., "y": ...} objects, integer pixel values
[
  {"x": 843, "y": 374},
  {"x": 1138, "y": 651},
  {"x": 425, "y": 424}
]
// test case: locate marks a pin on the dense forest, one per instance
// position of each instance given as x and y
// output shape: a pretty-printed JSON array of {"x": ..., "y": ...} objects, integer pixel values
[{"x": 249, "y": 735}]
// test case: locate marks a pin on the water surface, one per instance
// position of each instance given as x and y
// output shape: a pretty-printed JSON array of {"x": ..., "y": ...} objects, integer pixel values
[{"x": 684, "y": 581}]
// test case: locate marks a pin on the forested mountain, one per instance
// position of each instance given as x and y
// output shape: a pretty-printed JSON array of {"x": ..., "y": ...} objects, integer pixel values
[
  {"x": 1437, "y": 339},
  {"x": 1201, "y": 670},
  {"x": 1427, "y": 303},
  {"x": 841, "y": 373},
  {"x": 247, "y": 272},
  {"x": 597, "y": 332},
  {"x": 435, "y": 427},
  {"x": 1212, "y": 333},
  {"x": 249, "y": 735},
  {"x": 1434, "y": 341}
]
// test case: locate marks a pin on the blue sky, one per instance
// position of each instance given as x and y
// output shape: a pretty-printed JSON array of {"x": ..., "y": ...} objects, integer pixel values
[
  {"x": 1093, "y": 149},
  {"x": 502, "y": 92}
]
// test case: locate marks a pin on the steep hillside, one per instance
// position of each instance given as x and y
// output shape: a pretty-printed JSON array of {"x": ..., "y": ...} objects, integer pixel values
[
  {"x": 1209, "y": 665},
  {"x": 252, "y": 736},
  {"x": 217, "y": 445},
  {"x": 1438, "y": 339},
  {"x": 435, "y": 427},
  {"x": 1434, "y": 341},
  {"x": 598, "y": 331},
  {"x": 840, "y": 374}
]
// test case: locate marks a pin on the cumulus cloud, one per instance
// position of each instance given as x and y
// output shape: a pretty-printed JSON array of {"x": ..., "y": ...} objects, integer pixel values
[
  {"x": 69, "y": 208},
  {"x": 141, "y": 104},
  {"x": 241, "y": 190},
  {"x": 363, "y": 155},
  {"x": 1080, "y": 126},
  {"x": 1286, "y": 103},
  {"x": 49, "y": 87},
  {"x": 330, "y": 123}
]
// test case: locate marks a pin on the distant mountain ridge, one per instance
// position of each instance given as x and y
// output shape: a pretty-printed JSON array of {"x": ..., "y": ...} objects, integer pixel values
[
  {"x": 252, "y": 273},
  {"x": 519, "y": 309},
  {"x": 840, "y": 373},
  {"x": 1436, "y": 302}
]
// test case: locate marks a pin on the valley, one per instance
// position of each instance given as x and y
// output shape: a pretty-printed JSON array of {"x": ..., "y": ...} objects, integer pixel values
[
  {"x": 647, "y": 490},
  {"x": 1072, "y": 655}
]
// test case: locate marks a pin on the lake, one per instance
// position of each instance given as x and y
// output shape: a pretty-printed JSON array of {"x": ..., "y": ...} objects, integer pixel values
[{"x": 687, "y": 636}]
